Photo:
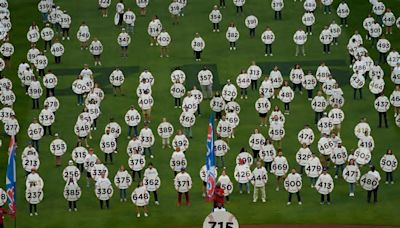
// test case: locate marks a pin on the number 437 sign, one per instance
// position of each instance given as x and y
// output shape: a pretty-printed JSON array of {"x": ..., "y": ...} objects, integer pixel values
[{"x": 220, "y": 219}]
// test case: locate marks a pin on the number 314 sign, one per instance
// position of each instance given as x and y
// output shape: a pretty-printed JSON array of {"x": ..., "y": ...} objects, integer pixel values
[{"x": 220, "y": 219}]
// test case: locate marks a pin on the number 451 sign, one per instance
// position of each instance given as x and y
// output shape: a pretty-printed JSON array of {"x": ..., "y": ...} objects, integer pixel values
[{"x": 220, "y": 219}]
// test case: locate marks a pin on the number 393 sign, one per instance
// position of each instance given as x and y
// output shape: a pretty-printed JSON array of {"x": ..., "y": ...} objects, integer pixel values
[{"x": 220, "y": 219}]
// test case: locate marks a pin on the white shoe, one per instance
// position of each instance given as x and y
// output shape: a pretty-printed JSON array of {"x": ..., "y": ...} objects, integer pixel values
[
  {"x": 310, "y": 33},
  {"x": 351, "y": 194},
  {"x": 263, "y": 200},
  {"x": 145, "y": 215},
  {"x": 386, "y": 182},
  {"x": 217, "y": 30},
  {"x": 214, "y": 30},
  {"x": 68, "y": 38},
  {"x": 157, "y": 203},
  {"x": 271, "y": 54},
  {"x": 288, "y": 203},
  {"x": 254, "y": 201},
  {"x": 121, "y": 200},
  {"x": 138, "y": 215},
  {"x": 69, "y": 209},
  {"x": 336, "y": 176},
  {"x": 392, "y": 182},
  {"x": 277, "y": 189},
  {"x": 312, "y": 186},
  {"x": 30, "y": 214},
  {"x": 234, "y": 48},
  {"x": 300, "y": 203},
  {"x": 99, "y": 63},
  {"x": 265, "y": 54},
  {"x": 36, "y": 214},
  {"x": 151, "y": 156},
  {"x": 64, "y": 38},
  {"x": 76, "y": 209},
  {"x": 230, "y": 48},
  {"x": 151, "y": 44}
]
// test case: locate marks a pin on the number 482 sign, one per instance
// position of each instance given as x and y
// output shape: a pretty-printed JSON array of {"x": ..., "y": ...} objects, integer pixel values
[{"x": 220, "y": 219}]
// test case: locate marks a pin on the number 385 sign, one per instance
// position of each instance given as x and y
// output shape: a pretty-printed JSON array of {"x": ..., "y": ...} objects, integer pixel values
[{"x": 220, "y": 219}]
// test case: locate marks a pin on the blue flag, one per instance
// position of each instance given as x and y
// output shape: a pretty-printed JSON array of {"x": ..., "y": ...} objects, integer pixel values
[
  {"x": 11, "y": 178},
  {"x": 210, "y": 159}
]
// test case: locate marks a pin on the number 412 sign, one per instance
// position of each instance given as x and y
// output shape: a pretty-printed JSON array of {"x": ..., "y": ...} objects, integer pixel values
[{"x": 220, "y": 219}]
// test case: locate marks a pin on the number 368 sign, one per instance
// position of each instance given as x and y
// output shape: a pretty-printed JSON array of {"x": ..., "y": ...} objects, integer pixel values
[{"x": 220, "y": 219}]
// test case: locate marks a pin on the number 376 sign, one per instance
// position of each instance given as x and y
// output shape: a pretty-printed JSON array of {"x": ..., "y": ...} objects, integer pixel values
[{"x": 220, "y": 219}]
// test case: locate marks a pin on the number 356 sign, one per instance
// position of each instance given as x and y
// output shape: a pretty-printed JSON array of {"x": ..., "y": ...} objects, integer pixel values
[{"x": 220, "y": 219}]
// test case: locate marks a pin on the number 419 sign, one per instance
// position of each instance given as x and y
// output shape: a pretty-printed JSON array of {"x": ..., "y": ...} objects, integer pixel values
[{"x": 220, "y": 219}]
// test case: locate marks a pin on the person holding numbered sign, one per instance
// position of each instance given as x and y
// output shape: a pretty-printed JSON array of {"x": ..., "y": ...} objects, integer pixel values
[
  {"x": 319, "y": 105},
  {"x": 309, "y": 82},
  {"x": 277, "y": 6},
  {"x": 46, "y": 119},
  {"x": 226, "y": 184},
  {"x": 117, "y": 78},
  {"x": 300, "y": 39},
  {"x": 276, "y": 131},
  {"x": 389, "y": 20},
  {"x": 286, "y": 95},
  {"x": 72, "y": 193},
  {"x": 375, "y": 31},
  {"x": 89, "y": 162},
  {"x": 336, "y": 31},
  {"x": 383, "y": 45},
  {"x": 180, "y": 140},
  {"x": 104, "y": 190},
  {"x": 58, "y": 147},
  {"x": 96, "y": 48},
  {"x": 50, "y": 81},
  {"x": 35, "y": 91},
  {"x": 147, "y": 138},
  {"x": 103, "y": 5},
  {"x": 313, "y": 169},
  {"x": 183, "y": 184},
  {"x": 122, "y": 180},
  {"x": 152, "y": 181},
  {"x": 306, "y": 135},
  {"x": 178, "y": 90},
  {"x": 351, "y": 174},
  {"x": 357, "y": 81},
  {"x": 376, "y": 86},
  {"x": 343, "y": 12},
  {"x": 154, "y": 28},
  {"x": 395, "y": 100},
  {"x": 47, "y": 35},
  {"x": 119, "y": 15},
  {"x": 243, "y": 174},
  {"x": 136, "y": 162},
  {"x": 129, "y": 18},
  {"x": 389, "y": 164},
  {"x": 30, "y": 56},
  {"x": 327, "y": 6},
  {"x": 308, "y": 20},
  {"x": 165, "y": 131},
  {"x": 302, "y": 157},
  {"x": 65, "y": 23},
  {"x": 82, "y": 128},
  {"x": 256, "y": 141},
  {"x": 35, "y": 133},
  {"x": 71, "y": 172},
  {"x": 268, "y": 37},
  {"x": 279, "y": 168},
  {"x": 392, "y": 59},
  {"x": 146, "y": 102},
  {"x": 243, "y": 81},
  {"x": 141, "y": 197},
  {"x": 251, "y": 23},
  {"x": 187, "y": 119},
  {"x": 266, "y": 88},
  {"x": 57, "y": 50},
  {"x": 198, "y": 46},
  {"x": 339, "y": 158},
  {"x": 83, "y": 35},
  {"x": 124, "y": 39},
  {"x": 11, "y": 126},
  {"x": 108, "y": 144},
  {"x": 30, "y": 160},
  {"x": 382, "y": 105},
  {"x": 175, "y": 11},
  {"x": 325, "y": 147},
  {"x": 293, "y": 184},
  {"x": 205, "y": 78},
  {"x": 33, "y": 195},
  {"x": 215, "y": 17},
  {"x": 259, "y": 180},
  {"x": 221, "y": 148},
  {"x": 395, "y": 75},
  {"x": 44, "y": 6},
  {"x": 132, "y": 119},
  {"x": 262, "y": 106},
  {"x": 370, "y": 182},
  {"x": 326, "y": 39},
  {"x": 164, "y": 39},
  {"x": 178, "y": 161},
  {"x": 324, "y": 186},
  {"x": 78, "y": 155},
  {"x": 325, "y": 124},
  {"x": 232, "y": 35},
  {"x": 218, "y": 196},
  {"x": 276, "y": 79},
  {"x": 192, "y": 101},
  {"x": 7, "y": 50}
]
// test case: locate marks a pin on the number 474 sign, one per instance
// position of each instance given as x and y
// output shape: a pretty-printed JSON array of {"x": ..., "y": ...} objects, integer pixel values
[{"x": 220, "y": 219}]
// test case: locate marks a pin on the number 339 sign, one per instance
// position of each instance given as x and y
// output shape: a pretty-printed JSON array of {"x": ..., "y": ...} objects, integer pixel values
[{"x": 220, "y": 219}]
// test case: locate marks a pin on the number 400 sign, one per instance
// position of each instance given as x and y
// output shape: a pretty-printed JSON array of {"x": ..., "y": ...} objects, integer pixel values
[{"x": 220, "y": 219}]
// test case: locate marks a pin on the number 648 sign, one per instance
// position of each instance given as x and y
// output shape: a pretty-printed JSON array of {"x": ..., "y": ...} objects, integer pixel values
[{"x": 220, "y": 219}]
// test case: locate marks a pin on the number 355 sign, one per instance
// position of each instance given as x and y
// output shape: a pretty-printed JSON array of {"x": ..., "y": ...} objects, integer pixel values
[{"x": 220, "y": 219}]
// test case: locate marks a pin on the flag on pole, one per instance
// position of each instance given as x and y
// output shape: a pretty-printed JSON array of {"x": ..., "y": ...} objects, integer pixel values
[
  {"x": 210, "y": 159},
  {"x": 11, "y": 178}
]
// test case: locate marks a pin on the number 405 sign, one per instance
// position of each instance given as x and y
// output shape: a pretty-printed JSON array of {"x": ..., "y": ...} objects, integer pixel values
[{"x": 220, "y": 219}]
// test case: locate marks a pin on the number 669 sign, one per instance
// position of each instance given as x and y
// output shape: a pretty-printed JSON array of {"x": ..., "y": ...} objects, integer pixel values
[{"x": 220, "y": 219}]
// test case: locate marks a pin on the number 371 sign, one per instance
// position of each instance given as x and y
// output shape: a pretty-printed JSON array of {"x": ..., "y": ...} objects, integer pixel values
[{"x": 220, "y": 219}]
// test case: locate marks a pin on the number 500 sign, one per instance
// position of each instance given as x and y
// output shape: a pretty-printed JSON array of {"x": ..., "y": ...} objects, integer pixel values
[{"x": 220, "y": 219}]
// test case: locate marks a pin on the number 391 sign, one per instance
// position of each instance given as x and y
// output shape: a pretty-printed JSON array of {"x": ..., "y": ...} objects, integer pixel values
[{"x": 220, "y": 219}]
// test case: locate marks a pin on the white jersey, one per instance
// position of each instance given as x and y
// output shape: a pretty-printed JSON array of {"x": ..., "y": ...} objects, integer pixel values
[
  {"x": 279, "y": 166},
  {"x": 324, "y": 184},
  {"x": 302, "y": 156},
  {"x": 108, "y": 143},
  {"x": 313, "y": 167},
  {"x": 260, "y": 177},
  {"x": 293, "y": 183}
]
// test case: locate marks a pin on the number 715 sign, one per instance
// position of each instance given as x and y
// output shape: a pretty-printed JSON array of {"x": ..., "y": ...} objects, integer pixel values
[{"x": 220, "y": 219}]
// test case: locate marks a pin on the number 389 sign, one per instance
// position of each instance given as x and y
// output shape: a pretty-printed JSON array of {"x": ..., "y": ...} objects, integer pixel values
[{"x": 220, "y": 219}]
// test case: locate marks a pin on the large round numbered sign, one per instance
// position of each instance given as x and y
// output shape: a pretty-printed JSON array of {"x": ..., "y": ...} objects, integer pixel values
[
  {"x": 220, "y": 219},
  {"x": 369, "y": 182}
]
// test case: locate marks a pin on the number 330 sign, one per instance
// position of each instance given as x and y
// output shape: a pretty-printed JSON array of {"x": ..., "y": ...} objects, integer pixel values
[{"x": 220, "y": 219}]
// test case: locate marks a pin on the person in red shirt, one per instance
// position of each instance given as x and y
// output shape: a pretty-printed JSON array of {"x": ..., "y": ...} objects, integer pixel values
[
  {"x": 3, "y": 212},
  {"x": 218, "y": 195}
]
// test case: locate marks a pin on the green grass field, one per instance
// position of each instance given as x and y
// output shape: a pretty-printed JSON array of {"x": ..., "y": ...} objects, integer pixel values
[{"x": 225, "y": 64}]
